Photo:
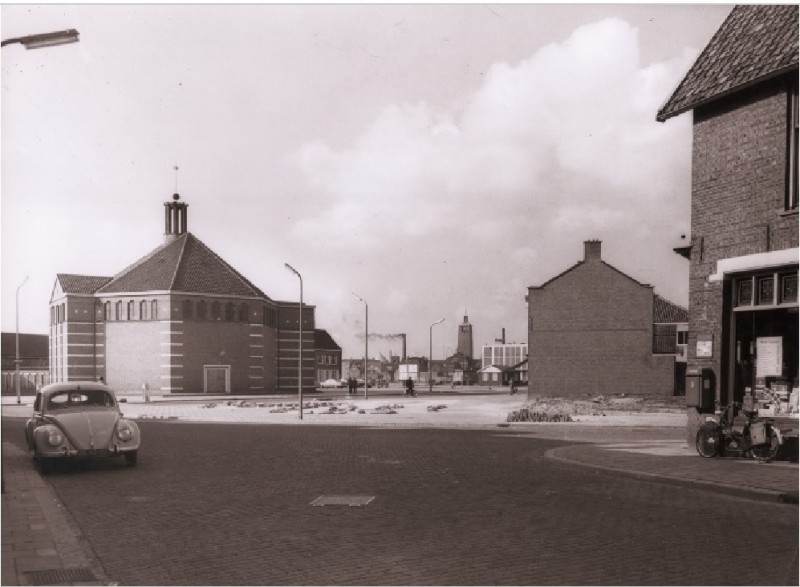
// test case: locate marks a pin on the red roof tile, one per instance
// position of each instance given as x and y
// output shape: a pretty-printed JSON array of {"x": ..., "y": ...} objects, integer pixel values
[
  {"x": 755, "y": 43},
  {"x": 185, "y": 265},
  {"x": 81, "y": 284},
  {"x": 665, "y": 312}
]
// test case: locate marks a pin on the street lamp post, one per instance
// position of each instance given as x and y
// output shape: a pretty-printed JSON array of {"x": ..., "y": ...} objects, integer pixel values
[
  {"x": 300, "y": 352},
  {"x": 430, "y": 356},
  {"x": 45, "y": 39},
  {"x": 35, "y": 42},
  {"x": 17, "y": 361},
  {"x": 366, "y": 344}
]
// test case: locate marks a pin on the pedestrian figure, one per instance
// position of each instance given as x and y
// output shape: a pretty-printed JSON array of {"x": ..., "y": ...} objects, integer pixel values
[
  {"x": 512, "y": 387},
  {"x": 410, "y": 387}
]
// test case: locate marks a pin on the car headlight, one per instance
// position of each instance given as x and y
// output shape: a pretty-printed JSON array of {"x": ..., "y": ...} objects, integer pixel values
[
  {"x": 124, "y": 433},
  {"x": 55, "y": 438}
]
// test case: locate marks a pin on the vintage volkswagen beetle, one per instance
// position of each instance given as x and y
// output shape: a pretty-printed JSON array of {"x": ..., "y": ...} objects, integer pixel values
[{"x": 78, "y": 420}]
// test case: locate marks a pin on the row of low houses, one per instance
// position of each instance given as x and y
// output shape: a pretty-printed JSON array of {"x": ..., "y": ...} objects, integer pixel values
[{"x": 33, "y": 362}]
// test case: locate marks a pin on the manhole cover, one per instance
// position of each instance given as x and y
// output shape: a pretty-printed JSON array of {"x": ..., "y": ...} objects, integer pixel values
[
  {"x": 60, "y": 576},
  {"x": 350, "y": 500}
]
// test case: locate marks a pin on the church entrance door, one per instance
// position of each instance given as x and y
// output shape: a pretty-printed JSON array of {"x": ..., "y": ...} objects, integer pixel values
[{"x": 217, "y": 378}]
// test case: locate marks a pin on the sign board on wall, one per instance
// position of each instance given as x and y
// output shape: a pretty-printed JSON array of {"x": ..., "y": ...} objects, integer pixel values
[
  {"x": 705, "y": 345},
  {"x": 769, "y": 356}
]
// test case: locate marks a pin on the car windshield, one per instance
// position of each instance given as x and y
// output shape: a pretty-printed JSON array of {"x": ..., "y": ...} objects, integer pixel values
[{"x": 82, "y": 399}]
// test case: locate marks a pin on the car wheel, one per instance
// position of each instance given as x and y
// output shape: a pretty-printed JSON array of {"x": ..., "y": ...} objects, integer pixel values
[{"x": 131, "y": 458}]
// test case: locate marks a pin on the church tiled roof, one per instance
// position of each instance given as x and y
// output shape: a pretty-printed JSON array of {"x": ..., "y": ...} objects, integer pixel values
[
  {"x": 186, "y": 265},
  {"x": 756, "y": 42},
  {"x": 81, "y": 284}
]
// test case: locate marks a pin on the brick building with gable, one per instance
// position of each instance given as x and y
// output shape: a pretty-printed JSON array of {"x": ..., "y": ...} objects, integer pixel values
[
  {"x": 178, "y": 320},
  {"x": 593, "y": 329},
  {"x": 743, "y": 248}
]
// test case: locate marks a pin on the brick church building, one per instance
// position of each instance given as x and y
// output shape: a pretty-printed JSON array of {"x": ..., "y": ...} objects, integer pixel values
[{"x": 178, "y": 320}]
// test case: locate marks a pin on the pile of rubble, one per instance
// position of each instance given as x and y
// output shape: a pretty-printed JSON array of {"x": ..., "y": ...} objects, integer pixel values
[
  {"x": 318, "y": 407},
  {"x": 525, "y": 415},
  {"x": 557, "y": 409}
]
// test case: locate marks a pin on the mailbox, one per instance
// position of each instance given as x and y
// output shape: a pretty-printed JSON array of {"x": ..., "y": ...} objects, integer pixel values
[{"x": 700, "y": 389}]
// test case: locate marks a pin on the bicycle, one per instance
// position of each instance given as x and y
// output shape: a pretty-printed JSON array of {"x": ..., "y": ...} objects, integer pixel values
[{"x": 758, "y": 438}]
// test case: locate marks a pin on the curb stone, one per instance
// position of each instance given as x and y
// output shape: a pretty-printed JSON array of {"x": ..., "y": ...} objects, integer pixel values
[{"x": 753, "y": 493}]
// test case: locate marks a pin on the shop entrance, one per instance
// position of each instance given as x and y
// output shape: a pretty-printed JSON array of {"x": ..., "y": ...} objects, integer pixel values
[{"x": 765, "y": 352}]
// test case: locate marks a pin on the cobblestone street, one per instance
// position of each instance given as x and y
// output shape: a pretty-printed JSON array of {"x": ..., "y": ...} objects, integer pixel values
[{"x": 230, "y": 504}]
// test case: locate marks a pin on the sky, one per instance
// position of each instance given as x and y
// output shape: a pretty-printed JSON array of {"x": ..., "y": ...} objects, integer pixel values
[{"x": 436, "y": 160}]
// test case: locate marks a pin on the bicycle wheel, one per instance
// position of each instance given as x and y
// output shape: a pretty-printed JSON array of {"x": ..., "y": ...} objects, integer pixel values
[
  {"x": 769, "y": 450},
  {"x": 709, "y": 440}
]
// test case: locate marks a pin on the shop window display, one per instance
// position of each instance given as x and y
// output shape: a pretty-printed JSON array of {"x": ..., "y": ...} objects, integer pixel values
[{"x": 789, "y": 288}]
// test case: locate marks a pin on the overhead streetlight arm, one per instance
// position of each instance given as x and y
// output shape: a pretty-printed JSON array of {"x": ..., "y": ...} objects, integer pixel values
[
  {"x": 292, "y": 269},
  {"x": 45, "y": 39}
]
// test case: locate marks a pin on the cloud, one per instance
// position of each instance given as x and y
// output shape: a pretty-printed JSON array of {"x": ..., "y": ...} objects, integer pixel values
[
  {"x": 582, "y": 109},
  {"x": 558, "y": 148}
]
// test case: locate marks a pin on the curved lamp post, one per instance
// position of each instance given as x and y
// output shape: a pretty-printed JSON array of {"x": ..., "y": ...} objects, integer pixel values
[
  {"x": 300, "y": 352},
  {"x": 36, "y": 42},
  {"x": 17, "y": 361},
  {"x": 430, "y": 356},
  {"x": 45, "y": 39},
  {"x": 366, "y": 344}
]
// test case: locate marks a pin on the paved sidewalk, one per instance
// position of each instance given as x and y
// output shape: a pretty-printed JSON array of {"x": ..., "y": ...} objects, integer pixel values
[
  {"x": 41, "y": 543},
  {"x": 674, "y": 461}
]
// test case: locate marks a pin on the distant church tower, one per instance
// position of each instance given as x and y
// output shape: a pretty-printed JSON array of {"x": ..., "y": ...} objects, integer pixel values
[{"x": 465, "y": 338}]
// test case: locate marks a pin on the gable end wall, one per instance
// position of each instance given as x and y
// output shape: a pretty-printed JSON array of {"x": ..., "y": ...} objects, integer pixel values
[{"x": 591, "y": 332}]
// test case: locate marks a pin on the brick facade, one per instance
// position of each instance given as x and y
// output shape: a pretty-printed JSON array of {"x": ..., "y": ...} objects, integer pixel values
[
  {"x": 169, "y": 354},
  {"x": 327, "y": 356},
  {"x": 739, "y": 186},
  {"x": 288, "y": 346},
  {"x": 590, "y": 331},
  {"x": 738, "y": 192},
  {"x": 742, "y": 91},
  {"x": 179, "y": 320}
]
